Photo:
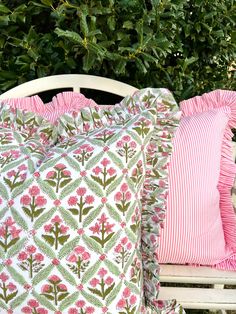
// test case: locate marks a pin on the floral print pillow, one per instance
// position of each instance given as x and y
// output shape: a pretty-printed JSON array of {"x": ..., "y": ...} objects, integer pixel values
[{"x": 71, "y": 241}]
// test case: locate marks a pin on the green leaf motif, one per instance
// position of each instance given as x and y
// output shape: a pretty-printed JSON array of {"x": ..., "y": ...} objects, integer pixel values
[
  {"x": 66, "y": 275},
  {"x": 16, "y": 275},
  {"x": 113, "y": 294},
  {"x": 112, "y": 267},
  {"x": 44, "y": 248},
  {"x": 18, "y": 219},
  {"x": 43, "y": 301},
  {"x": 91, "y": 244},
  {"x": 69, "y": 220},
  {"x": 109, "y": 246},
  {"x": 16, "y": 248},
  {"x": 42, "y": 275},
  {"x": 18, "y": 300},
  {"x": 71, "y": 299},
  {"x": 94, "y": 187},
  {"x": 68, "y": 248},
  {"x": 65, "y": 182},
  {"x": 46, "y": 188},
  {"x": 91, "y": 299},
  {"x": 90, "y": 272},
  {"x": 62, "y": 239},
  {"x": 49, "y": 239},
  {"x": 113, "y": 213},
  {"x": 70, "y": 188},
  {"x": 114, "y": 185},
  {"x": 92, "y": 216},
  {"x": 22, "y": 187},
  {"x": 44, "y": 218}
]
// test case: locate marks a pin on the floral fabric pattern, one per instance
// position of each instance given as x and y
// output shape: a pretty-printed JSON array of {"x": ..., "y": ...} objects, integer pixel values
[{"x": 70, "y": 234}]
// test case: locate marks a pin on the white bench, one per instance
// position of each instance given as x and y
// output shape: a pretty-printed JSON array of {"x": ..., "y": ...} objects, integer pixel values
[{"x": 194, "y": 297}]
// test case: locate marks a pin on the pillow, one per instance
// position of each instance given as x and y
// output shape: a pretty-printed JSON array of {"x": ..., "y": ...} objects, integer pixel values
[
  {"x": 61, "y": 103},
  {"x": 200, "y": 225},
  {"x": 79, "y": 214}
]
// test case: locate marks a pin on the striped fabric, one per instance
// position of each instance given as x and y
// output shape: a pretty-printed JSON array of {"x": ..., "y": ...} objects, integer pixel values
[
  {"x": 61, "y": 103},
  {"x": 200, "y": 225}
]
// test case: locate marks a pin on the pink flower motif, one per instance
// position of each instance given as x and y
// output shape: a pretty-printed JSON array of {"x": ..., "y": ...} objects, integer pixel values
[
  {"x": 106, "y": 148},
  {"x": 27, "y": 286},
  {"x": 11, "y": 286},
  {"x": 56, "y": 219},
  {"x": 55, "y": 262},
  {"x": 22, "y": 256},
  {"x": 80, "y": 304},
  {"x": 124, "y": 171},
  {"x": 11, "y": 173},
  {"x": 45, "y": 288},
  {"x": 105, "y": 162},
  {"x": 128, "y": 196},
  {"x": 26, "y": 310},
  {"x": 72, "y": 258},
  {"x": 72, "y": 201},
  {"x": 47, "y": 228},
  {"x": 124, "y": 241},
  {"x": 33, "y": 303},
  {"x": 63, "y": 229},
  {"x": 109, "y": 281},
  {"x": 8, "y": 262},
  {"x": 9, "y": 222},
  {"x": 102, "y": 257},
  {"x": 40, "y": 201},
  {"x": 85, "y": 256},
  {"x": 133, "y": 145},
  {"x": 129, "y": 246},
  {"x": 31, "y": 249},
  {"x": 39, "y": 257},
  {"x": 80, "y": 287},
  {"x": 10, "y": 203},
  {"x": 83, "y": 173},
  {"x": 62, "y": 287},
  {"x": 94, "y": 282},
  {"x": 103, "y": 219},
  {"x": 103, "y": 200},
  {"x": 95, "y": 229},
  {"x": 80, "y": 231},
  {"x": 79, "y": 249},
  {"x": 126, "y": 138},
  {"x": 0, "y": 200},
  {"x": 124, "y": 187},
  {"x": 37, "y": 174},
  {"x": 89, "y": 199},
  {"x": 102, "y": 272},
  {"x": 54, "y": 278},
  {"x": 97, "y": 170},
  {"x": 15, "y": 232},
  {"x": 66, "y": 173},
  {"x": 89, "y": 310},
  {"x": 23, "y": 176},
  {"x": 50, "y": 174},
  {"x": 57, "y": 203},
  {"x": 132, "y": 299},
  {"x": 81, "y": 191},
  {"x": 25, "y": 200},
  {"x": 111, "y": 171},
  {"x": 121, "y": 304},
  {"x": 60, "y": 166},
  {"x": 118, "y": 197},
  {"x": 123, "y": 224},
  {"x": 126, "y": 292},
  {"x": 41, "y": 310},
  {"x": 104, "y": 309},
  {"x": 34, "y": 191},
  {"x": 120, "y": 144},
  {"x": 118, "y": 248},
  {"x": 73, "y": 310}
]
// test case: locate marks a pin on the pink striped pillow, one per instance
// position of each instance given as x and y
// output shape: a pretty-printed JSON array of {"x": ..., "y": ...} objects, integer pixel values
[
  {"x": 200, "y": 226},
  {"x": 60, "y": 104}
]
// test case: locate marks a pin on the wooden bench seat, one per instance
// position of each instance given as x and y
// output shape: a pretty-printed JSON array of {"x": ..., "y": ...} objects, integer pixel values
[{"x": 214, "y": 297}]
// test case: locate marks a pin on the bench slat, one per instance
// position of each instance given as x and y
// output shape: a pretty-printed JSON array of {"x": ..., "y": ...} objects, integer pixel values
[
  {"x": 191, "y": 274},
  {"x": 198, "y": 298}
]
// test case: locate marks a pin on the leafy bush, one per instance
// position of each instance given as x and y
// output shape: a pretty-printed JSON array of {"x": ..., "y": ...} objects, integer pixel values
[{"x": 184, "y": 45}]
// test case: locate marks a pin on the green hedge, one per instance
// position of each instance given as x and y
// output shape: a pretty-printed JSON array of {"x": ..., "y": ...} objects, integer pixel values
[{"x": 184, "y": 45}]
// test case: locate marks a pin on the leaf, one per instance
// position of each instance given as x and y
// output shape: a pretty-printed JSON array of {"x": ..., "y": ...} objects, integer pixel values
[
  {"x": 43, "y": 301},
  {"x": 69, "y": 301},
  {"x": 65, "y": 182},
  {"x": 117, "y": 161},
  {"x": 48, "y": 296},
  {"x": 44, "y": 218},
  {"x": 16, "y": 275},
  {"x": 132, "y": 287},
  {"x": 18, "y": 300},
  {"x": 72, "y": 36},
  {"x": 96, "y": 291},
  {"x": 112, "y": 267},
  {"x": 97, "y": 239},
  {"x": 67, "y": 276},
  {"x": 94, "y": 187},
  {"x": 68, "y": 219},
  {"x": 16, "y": 248},
  {"x": 46, "y": 188},
  {"x": 113, "y": 213},
  {"x": 62, "y": 296},
  {"x": 11, "y": 296},
  {"x": 22, "y": 187},
  {"x": 47, "y": 2},
  {"x": 114, "y": 185},
  {"x": 4, "y": 9},
  {"x": 38, "y": 212},
  {"x": 3, "y": 191},
  {"x": 90, "y": 272},
  {"x": 110, "y": 180},
  {"x": 93, "y": 161},
  {"x": 108, "y": 290},
  {"x": 42, "y": 275},
  {"x": 74, "y": 211},
  {"x": 68, "y": 248},
  {"x": 114, "y": 293},
  {"x": 91, "y": 299},
  {"x": 70, "y": 188},
  {"x": 97, "y": 179},
  {"x": 49, "y": 239},
  {"x": 51, "y": 182},
  {"x": 91, "y": 244},
  {"x": 62, "y": 239},
  {"x": 44, "y": 248},
  {"x": 87, "y": 209},
  {"x": 109, "y": 246},
  {"x": 92, "y": 215},
  {"x": 18, "y": 219}
]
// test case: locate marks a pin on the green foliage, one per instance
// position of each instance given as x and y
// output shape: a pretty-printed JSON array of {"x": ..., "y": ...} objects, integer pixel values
[{"x": 186, "y": 46}]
